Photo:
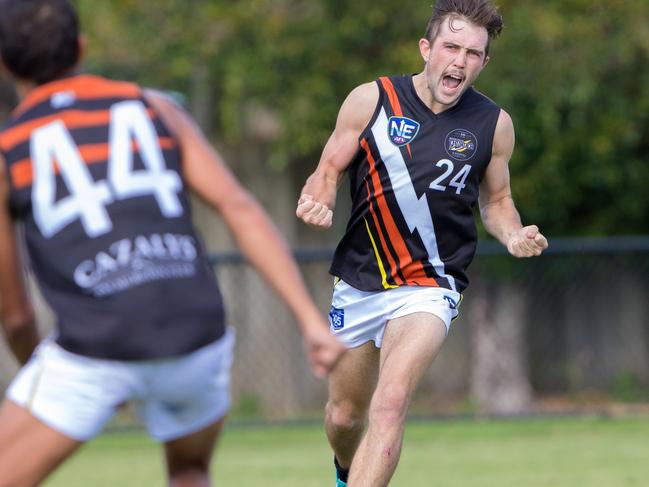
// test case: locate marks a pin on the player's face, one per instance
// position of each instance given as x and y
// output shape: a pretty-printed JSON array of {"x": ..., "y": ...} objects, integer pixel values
[{"x": 454, "y": 60}]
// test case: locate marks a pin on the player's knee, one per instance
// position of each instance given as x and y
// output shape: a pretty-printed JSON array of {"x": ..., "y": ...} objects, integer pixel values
[
  {"x": 389, "y": 406},
  {"x": 345, "y": 415}
]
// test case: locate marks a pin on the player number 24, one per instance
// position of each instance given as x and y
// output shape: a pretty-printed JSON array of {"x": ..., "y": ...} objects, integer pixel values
[
  {"x": 87, "y": 199},
  {"x": 458, "y": 181}
]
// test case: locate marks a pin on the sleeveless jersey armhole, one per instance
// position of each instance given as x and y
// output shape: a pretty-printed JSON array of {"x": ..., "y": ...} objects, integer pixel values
[
  {"x": 366, "y": 132},
  {"x": 492, "y": 131},
  {"x": 146, "y": 94}
]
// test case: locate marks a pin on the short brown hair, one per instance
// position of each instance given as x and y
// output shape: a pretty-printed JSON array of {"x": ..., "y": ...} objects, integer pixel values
[{"x": 479, "y": 12}]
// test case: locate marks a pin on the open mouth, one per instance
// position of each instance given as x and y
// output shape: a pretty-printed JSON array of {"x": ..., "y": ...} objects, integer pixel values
[{"x": 451, "y": 81}]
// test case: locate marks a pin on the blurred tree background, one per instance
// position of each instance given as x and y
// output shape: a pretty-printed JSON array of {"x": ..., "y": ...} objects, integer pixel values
[{"x": 265, "y": 79}]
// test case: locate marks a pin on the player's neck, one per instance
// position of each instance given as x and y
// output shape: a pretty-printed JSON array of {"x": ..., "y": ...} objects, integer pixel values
[
  {"x": 25, "y": 86},
  {"x": 420, "y": 82}
]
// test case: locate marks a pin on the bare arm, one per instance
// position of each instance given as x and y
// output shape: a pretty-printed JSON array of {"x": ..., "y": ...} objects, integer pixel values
[
  {"x": 16, "y": 311},
  {"x": 497, "y": 209},
  {"x": 318, "y": 198},
  {"x": 260, "y": 242}
]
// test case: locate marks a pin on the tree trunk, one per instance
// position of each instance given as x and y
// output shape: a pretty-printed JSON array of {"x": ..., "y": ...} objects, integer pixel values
[{"x": 499, "y": 372}]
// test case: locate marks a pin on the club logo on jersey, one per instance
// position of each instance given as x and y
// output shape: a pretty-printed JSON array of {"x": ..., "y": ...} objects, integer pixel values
[
  {"x": 62, "y": 99},
  {"x": 461, "y": 144},
  {"x": 337, "y": 318},
  {"x": 402, "y": 130}
]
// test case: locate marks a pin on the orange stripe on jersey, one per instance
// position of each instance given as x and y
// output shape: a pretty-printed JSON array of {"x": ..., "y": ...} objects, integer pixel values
[
  {"x": 415, "y": 275},
  {"x": 412, "y": 270},
  {"x": 72, "y": 119},
  {"x": 84, "y": 87},
  {"x": 384, "y": 245},
  {"x": 393, "y": 232},
  {"x": 392, "y": 96},
  {"x": 394, "y": 101},
  {"x": 22, "y": 173}
]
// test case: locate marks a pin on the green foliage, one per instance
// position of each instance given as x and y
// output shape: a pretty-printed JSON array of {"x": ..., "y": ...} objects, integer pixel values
[
  {"x": 572, "y": 73},
  {"x": 627, "y": 388},
  {"x": 248, "y": 406}
]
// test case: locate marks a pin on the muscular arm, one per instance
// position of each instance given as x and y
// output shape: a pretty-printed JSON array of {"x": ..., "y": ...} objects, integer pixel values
[
  {"x": 258, "y": 239},
  {"x": 497, "y": 209},
  {"x": 318, "y": 198},
  {"x": 16, "y": 312}
]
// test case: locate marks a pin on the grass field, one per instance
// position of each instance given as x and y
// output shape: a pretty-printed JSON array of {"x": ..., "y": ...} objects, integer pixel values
[{"x": 555, "y": 452}]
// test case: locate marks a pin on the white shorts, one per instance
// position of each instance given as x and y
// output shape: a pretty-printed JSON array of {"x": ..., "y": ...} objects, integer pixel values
[
  {"x": 356, "y": 317},
  {"x": 77, "y": 395}
]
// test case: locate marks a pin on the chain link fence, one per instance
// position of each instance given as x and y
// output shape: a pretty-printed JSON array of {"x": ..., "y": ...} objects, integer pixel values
[
  {"x": 563, "y": 332},
  {"x": 566, "y": 331}
]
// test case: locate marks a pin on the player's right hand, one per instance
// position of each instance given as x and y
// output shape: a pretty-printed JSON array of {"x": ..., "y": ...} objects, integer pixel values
[
  {"x": 313, "y": 212},
  {"x": 323, "y": 350}
]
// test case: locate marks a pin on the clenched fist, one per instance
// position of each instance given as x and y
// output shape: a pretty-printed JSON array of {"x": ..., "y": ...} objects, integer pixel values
[
  {"x": 527, "y": 242},
  {"x": 313, "y": 212}
]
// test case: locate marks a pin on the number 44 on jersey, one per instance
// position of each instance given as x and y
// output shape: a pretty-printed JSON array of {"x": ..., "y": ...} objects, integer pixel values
[{"x": 87, "y": 199}]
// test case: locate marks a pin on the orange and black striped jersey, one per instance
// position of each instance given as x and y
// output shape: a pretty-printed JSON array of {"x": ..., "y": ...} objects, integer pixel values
[
  {"x": 414, "y": 184},
  {"x": 95, "y": 178}
]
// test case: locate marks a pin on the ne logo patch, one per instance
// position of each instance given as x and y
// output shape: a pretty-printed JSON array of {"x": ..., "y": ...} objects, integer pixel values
[{"x": 402, "y": 130}]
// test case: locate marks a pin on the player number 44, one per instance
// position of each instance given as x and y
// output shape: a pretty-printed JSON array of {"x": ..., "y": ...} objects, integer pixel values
[
  {"x": 87, "y": 199},
  {"x": 458, "y": 181}
]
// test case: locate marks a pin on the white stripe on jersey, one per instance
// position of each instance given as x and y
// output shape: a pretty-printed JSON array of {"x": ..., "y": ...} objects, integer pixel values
[{"x": 415, "y": 210}]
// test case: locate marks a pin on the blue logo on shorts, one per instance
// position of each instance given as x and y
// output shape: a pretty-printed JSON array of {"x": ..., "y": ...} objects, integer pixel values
[
  {"x": 451, "y": 302},
  {"x": 402, "y": 130},
  {"x": 175, "y": 408},
  {"x": 337, "y": 318}
]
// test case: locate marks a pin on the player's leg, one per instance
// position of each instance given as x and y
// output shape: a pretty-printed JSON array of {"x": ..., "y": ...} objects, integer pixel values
[
  {"x": 350, "y": 388},
  {"x": 29, "y": 449},
  {"x": 188, "y": 458},
  {"x": 357, "y": 319},
  {"x": 409, "y": 346},
  {"x": 57, "y": 401},
  {"x": 185, "y": 408}
]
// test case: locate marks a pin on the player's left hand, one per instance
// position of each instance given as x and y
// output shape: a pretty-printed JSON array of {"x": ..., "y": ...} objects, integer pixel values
[
  {"x": 527, "y": 242},
  {"x": 323, "y": 350}
]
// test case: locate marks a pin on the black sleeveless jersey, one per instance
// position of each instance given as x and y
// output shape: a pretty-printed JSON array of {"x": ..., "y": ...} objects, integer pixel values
[
  {"x": 414, "y": 184},
  {"x": 95, "y": 178}
]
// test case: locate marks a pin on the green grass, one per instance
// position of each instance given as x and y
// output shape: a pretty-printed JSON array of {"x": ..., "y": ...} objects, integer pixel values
[{"x": 554, "y": 452}]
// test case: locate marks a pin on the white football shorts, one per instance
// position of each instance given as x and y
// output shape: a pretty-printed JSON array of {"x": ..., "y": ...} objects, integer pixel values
[
  {"x": 78, "y": 395},
  {"x": 356, "y": 316}
]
